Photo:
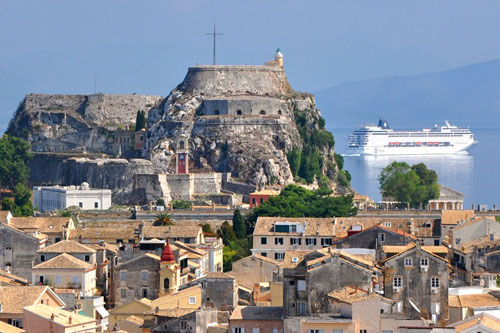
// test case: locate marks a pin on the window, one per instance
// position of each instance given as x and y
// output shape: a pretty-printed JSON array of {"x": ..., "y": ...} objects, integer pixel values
[
  {"x": 301, "y": 308},
  {"x": 262, "y": 112},
  {"x": 57, "y": 240},
  {"x": 424, "y": 262},
  {"x": 326, "y": 241},
  {"x": 295, "y": 241},
  {"x": 192, "y": 300},
  {"x": 238, "y": 112},
  {"x": 254, "y": 201},
  {"x": 14, "y": 322},
  {"x": 58, "y": 280},
  {"x": 144, "y": 275},
  {"x": 123, "y": 293},
  {"x": 264, "y": 254},
  {"x": 217, "y": 112},
  {"x": 310, "y": 241},
  {"x": 96, "y": 204},
  {"x": 123, "y": 275},
  {"x": 408, "y": 262},
  {"x": 261, "y": 200},
  {"x": 301, "y": 285},
  {"x": 435, "y": 282},
  {"x": 387, "y": 224},
  {"x": 279, "y": 256},
  {"x": 87, "y": 258},
  {"x": 396, "y": 282},
  {"x": 338, "y": 331},
  {"x": 255, "y": 330},
  {"x": 292, "y": 282},
  {"x": 278, "y": 241},
  {"x": 381, "y": 237},
  {"x": 263, "y": 240},
  {"x": 436, "y": 242},
  {"x": 42, "y": 258},
  {"x": 363, "y": 331},
  {"x": 386, "y": 331},
  {"x": 144, "y": 292},
  {"x": 183, "y": 324},
  {"x": 279, "y": 112},
  {"x": 80, "y": 204},
  {"x": 74, "y": 279},
  {"x": 275, "y": 330},
  {"x": 40, "y": 279},
  {"x": 315, "y": 331}
]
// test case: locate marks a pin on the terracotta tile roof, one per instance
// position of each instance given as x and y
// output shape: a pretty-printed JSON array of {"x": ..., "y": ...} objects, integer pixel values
[
  {"x": 96, "y": 234},
  {"x": 6, "y": 328},
  {"x": 135, "y": 320},
  {"x": 43, "y": 224},
  {"x": 162, "y": 232},
  {"x": 14, "y": 299},
  {"x": 218, "y": 275},
  {"x": 288, "y": 261},
  {"x": 67, "y": 246},
  {"x": 411, "y": 247},
  {"x": 63, "y": 261},
  {"x": 3, "y": 215},
  {"x": 314, "y": 226},
  {"x": 453, "y": 217},
  {"x": 173, "y": 313},
  {"x": 61, "y": 316},
  {"x": 266, "y": 192},
  {"x": 351, "y": 295},
  {"x": 12, "y": 279},
  {"x": 404, "y": 226},
  {"x": 482, "y": 318},
  {"x": 401, "y": 248},
  {"x": 481, "y": 242},
  {"x": 473, "y": 301},
  {"x": 257, "y": 313}
]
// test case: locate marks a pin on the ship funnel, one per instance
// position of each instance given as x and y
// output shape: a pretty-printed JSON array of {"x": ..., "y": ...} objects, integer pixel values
[{"x": 383, "y": 124}]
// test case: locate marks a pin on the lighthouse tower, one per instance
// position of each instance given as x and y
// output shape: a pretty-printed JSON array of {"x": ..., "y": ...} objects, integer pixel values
[{"x": 279, "y": 57}]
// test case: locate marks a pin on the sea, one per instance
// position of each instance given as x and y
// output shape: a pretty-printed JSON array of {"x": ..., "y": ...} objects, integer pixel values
[{"x": 476, "y": 175}]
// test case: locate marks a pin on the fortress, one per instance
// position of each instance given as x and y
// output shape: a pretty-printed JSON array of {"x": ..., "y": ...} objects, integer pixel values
[{"x": 232, "y": 126}]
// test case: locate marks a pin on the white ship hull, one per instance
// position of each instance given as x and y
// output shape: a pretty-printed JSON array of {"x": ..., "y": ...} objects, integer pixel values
[{"x": 381, "y": 140}]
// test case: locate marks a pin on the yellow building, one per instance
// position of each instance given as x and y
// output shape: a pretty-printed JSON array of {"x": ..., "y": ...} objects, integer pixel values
[{"x": 66, "y": 271}]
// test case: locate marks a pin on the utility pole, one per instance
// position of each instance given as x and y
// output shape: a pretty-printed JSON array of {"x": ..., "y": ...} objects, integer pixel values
[{"x": 214, "y": 34}]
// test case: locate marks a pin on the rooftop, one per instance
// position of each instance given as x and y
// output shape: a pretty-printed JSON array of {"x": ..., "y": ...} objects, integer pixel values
[
  {"x": 64, "y": 261},
  {"x": 473, "y": 301},
  {"x": 453, "y": 217},
  {"x": 350, "y": 295},
  {"x": 14, "y": 299},
  {"x": 312, "y": 226},
  {"x": 96, "y": 234},
  {"x": 67, "y": 246},
  {"x": 257, "y": 313},
  {"x": 174, "y": 231},
  {"x": 266, "y": 192},
  {"x": 482, "y": 319},
  {"x": 61, "y": 317},
  {"x": 6, "y": 328},
  {"x": 42, "y": 224}
]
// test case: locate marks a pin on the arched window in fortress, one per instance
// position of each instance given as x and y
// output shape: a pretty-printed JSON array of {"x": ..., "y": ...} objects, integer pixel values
[
  {"x": 216, "y": 111},
  {"x": 238, "y": 112},
  {"x": 279, "y": 112},
  {"x": 181, "y": 145},
  {"x": 262, "y": 112}
]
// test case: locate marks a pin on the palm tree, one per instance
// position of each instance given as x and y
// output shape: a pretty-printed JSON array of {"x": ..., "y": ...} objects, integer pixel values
[{"x": 163, "y": 219}]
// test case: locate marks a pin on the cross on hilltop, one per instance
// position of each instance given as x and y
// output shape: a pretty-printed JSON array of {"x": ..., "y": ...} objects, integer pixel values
[{"x": 214, "y": 34}]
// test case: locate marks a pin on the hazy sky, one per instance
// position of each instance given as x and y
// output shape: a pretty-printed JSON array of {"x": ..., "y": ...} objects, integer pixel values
[{"x": 146, "y": 46}]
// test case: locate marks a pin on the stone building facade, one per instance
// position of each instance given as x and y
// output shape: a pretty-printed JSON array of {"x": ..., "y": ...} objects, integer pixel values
[
  {"x": 374, "y": 238},
  {"x": 243, "y": 106},
  {"x": 419, "y": 279}
]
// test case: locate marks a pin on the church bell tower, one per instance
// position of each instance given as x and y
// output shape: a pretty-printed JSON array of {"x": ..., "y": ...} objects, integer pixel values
[{"x": 182, "y": 155}]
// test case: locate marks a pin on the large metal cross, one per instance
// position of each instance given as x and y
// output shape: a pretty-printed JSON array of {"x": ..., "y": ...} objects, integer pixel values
[{"x": 214, "y": 34}]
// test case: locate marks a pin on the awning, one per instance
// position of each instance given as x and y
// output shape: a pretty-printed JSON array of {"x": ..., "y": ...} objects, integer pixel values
[{"x": 102, "y": 311}]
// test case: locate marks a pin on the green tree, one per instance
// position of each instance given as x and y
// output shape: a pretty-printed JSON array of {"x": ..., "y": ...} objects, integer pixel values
[
  {"x": 414, "y": 185},
  {"x": 22, "y": 201},
  {"x": 207, "y": 228},
  {"x": 296, "y": 201},
  {"x": 14, "y": 157},
  {"x": 239, "y": 224},
  {"x": 294, "y": 157},
  {"x": 140, "y": 120},
  {"x": 163, "y": 219},
  {"x": 181, "y": 204},
  {"x": 160, "y": 202}
]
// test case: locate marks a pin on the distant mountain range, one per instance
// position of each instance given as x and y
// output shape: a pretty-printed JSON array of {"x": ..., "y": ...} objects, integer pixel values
[{"x": 467, "y": 96}]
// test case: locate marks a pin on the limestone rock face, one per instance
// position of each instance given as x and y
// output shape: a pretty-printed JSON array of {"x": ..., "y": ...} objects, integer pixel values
[
  {"x": 238, "y": 119},
  {"x": 56, "y": 123}
]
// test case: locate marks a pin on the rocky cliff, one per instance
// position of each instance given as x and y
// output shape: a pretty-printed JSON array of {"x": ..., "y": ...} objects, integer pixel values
[
  {"x": 58, "y": 123},
  {"x": 239, "y": 120}
]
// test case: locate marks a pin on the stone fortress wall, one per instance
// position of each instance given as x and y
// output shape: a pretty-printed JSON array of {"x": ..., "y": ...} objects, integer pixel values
[{"x": 243, "y": 106}]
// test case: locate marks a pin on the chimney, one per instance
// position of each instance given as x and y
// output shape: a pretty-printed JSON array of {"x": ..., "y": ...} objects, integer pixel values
[
  {"x": 70, "y": 320},
  {"x": 52, "y": 317}
]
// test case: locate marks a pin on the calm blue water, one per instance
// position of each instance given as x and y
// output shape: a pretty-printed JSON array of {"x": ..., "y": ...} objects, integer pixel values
[{"x": 476, "y": 175}]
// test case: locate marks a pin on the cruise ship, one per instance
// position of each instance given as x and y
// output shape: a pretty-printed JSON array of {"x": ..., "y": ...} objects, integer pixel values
[{"x": 382, "y": 140}]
